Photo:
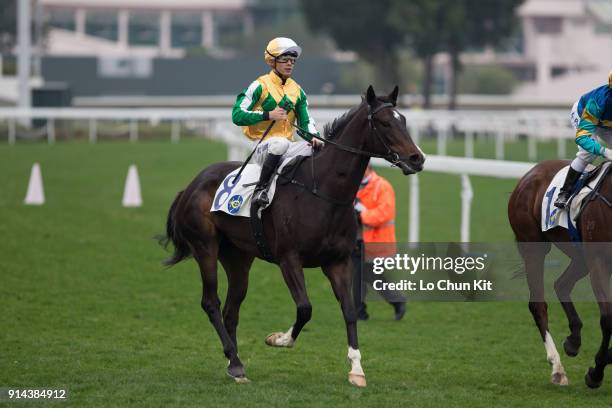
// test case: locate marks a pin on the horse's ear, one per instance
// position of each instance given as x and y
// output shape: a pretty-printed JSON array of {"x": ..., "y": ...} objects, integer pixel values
[
  {"x": 393, "y": 95},
  {"x": 370, "y": 96}
]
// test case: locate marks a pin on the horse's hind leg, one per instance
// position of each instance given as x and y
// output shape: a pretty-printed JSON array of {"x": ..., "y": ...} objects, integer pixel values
[
  {"x": 340, "y": 277},
  {"x": 237, "y": 265},
  {"x": 600, "y": 282},
  {"x": 293, "y": 274},
  {"x": 575, "y": 271},
  {"x": 206, "y": 256},
  {"x": 533, "y": 254}
]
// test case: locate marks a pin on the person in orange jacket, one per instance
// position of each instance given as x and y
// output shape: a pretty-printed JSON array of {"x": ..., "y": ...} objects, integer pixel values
[{"x": 375, "y": 207}]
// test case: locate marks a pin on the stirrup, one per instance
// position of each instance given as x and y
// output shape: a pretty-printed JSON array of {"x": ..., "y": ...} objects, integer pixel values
[{"x": 562, "y": 201}]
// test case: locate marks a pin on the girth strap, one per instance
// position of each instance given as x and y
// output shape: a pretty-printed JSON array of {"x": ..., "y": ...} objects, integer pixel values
[{"x": 259, "y": 235}]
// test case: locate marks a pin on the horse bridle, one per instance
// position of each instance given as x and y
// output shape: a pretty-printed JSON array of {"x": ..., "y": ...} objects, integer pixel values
[{"x": 390, "y": 156}]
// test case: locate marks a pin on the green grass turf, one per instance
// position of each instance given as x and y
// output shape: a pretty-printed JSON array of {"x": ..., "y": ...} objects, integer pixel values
[{"x": 87, "y": 306}]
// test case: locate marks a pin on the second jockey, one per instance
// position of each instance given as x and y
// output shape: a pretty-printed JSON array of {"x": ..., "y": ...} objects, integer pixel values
[
  {"x": 272, "y": 103},
  {"x": 592, "y": 119}
]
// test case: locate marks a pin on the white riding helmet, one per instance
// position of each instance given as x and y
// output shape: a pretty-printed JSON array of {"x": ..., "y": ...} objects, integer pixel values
[{"x": 280, "y": 46}]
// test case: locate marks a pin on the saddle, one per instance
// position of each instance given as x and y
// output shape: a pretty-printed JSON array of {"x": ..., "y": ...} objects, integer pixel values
[
  {"x": 587, "y": 189},
  {"x": 233, "y": 196},
  {"x": 287, "y": 173}
]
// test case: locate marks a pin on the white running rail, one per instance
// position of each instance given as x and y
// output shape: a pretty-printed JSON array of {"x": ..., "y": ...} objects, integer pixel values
[{"x": 502, "y": 125}]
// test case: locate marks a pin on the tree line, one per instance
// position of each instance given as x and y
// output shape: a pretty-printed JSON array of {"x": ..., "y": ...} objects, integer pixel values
[{"x": 378, "y": 30}]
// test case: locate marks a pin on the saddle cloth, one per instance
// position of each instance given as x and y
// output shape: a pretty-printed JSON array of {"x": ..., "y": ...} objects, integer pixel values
[
  {"x": 234, "y": 196},
  {"x": 554, "y": 217}
]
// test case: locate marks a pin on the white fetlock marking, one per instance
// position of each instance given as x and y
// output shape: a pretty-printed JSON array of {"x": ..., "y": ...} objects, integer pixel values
[
  {"x": 285, "y": 339},
  {"x": 552, "y": 355},
  {"x": 354, "y": 357}
]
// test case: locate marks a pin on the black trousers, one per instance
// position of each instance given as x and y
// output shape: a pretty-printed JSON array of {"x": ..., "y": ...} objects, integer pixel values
[{"x": 363, "y": 276}]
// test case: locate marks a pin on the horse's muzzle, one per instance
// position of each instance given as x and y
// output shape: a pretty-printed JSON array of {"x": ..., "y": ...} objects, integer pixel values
[
  {"x": 413, "y": 164},
  {"x": 406, "y": 169}
]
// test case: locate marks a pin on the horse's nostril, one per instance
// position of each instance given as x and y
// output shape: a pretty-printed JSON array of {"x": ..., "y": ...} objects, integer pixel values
[{"x": 415, "y": 158}]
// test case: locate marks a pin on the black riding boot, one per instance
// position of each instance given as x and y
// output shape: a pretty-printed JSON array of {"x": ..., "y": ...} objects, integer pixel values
[
  {"x": 260, "y": 196},
  {"x": 566, "y": 191}
]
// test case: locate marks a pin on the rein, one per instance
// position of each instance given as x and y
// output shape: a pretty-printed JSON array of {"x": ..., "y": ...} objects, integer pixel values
[{"x": 390, "y": 156}]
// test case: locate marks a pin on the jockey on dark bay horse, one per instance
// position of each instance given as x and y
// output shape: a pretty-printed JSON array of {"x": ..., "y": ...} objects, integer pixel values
[
  {"x": 319, "y": 232},
  {"x": 592, "y": 119},
  {"x": 268, "y": 107}
]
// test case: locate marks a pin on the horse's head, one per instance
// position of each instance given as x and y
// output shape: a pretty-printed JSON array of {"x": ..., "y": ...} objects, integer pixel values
[{"x": 389, "y": 136}]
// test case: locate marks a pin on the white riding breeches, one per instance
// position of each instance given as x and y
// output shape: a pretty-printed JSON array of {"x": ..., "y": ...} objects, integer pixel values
[
  {"x": 583, "y": 157},
  {"x": 280, "y": 146}
]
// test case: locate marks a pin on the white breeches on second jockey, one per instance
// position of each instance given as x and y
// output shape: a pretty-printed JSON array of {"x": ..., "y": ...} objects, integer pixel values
[
  {"x": 281, "y": 146},
  {"x": 583, "y": 157}
]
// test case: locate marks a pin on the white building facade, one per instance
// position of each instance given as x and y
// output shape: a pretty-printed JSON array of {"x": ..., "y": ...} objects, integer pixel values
[
  {"x": 143, "y": 28},
  {"x": 568, "y": 43}
]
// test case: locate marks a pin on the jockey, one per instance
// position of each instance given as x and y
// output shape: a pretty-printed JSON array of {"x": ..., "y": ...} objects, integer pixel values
[
  {"x": 273, "y": 101},
  {"x": 592, "y": 118}
]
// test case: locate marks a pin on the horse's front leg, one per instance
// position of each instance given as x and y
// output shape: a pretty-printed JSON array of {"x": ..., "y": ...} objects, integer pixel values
[
  {"x": 600, "y": 282},
  {"x": 293, "y": 274},
  {"x": 340, "y": 276}
]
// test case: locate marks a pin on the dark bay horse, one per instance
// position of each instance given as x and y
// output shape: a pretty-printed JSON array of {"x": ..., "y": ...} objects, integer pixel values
[
  {"x": 595, "y": 226},
  {"x": 303, "y": 229}
]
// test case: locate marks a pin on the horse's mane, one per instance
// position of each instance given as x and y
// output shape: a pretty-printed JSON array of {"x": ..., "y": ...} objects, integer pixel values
[{"x": 333, "y": 129}]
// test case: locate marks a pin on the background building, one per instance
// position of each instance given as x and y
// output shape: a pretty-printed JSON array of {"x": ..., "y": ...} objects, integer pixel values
[
  {"x": 121, "y": 48},
  {"x": 141, "y": 27},
  {"x": 568, "y": 43},
  {"x": 562, "y": 49}
]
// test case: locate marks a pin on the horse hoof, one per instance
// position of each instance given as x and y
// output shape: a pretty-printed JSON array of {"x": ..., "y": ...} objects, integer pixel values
[
  {"x": 571, "y": 348},
  {"x": 241, "y": 380},
  {"x": 358, "y": 380},
  {"x": 271, "y": 339},
  {"x": 236, "y": 372},
  {"x": 278, "y": 340},
  {"x": 559, "y": 379},
  {"x": 590, "y": 382},
  {"x": 238, "y": 375}
]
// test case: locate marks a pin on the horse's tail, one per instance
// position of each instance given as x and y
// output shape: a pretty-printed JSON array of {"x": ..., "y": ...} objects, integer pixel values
[{"x": 181, "y": 247}]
